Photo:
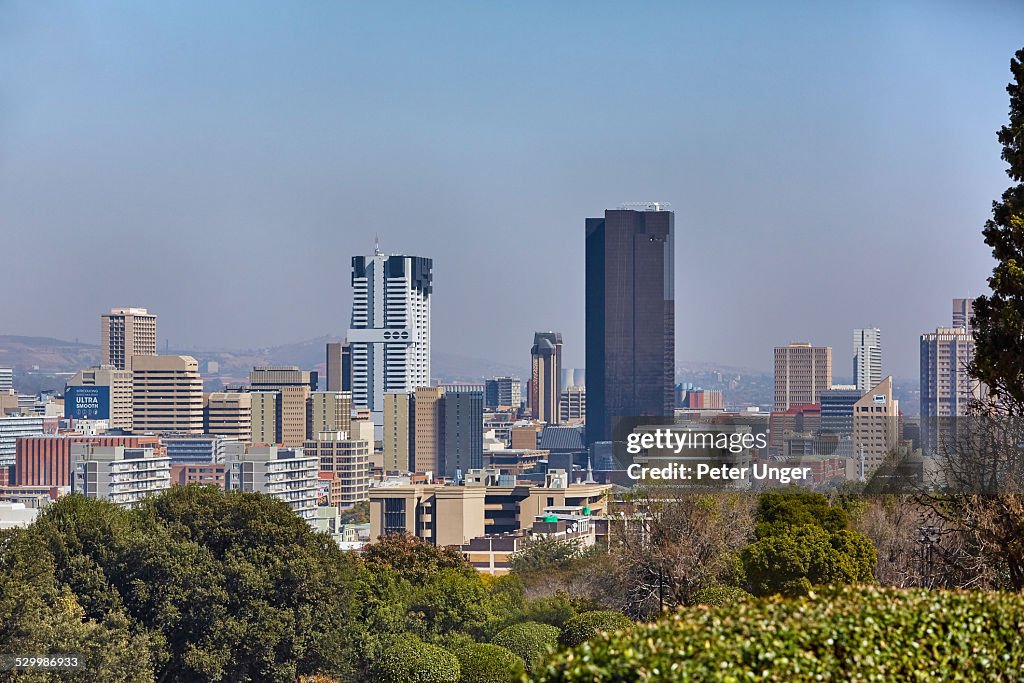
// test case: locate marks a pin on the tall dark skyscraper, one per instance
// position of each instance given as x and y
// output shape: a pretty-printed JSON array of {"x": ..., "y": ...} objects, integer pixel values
[{"x": 630, "y": 316}]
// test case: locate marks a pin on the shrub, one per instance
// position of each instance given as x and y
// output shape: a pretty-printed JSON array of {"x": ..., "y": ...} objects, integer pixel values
[
  {"x": 841, "y": 633},
  {"x": 409, "y": 660},
  {"x": 719, "y": 596},
  {"x": 530, "y": 640},
  {"x": 489, "y": 663},
  {"x": 583, "y": 627}
]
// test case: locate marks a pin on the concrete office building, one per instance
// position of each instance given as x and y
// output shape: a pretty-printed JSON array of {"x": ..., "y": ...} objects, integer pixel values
[
  {"x": 348, "y": 460},
  {"x": 630, "y": 316},
  {"x": 12, "y": 428},
  {"x": 339, "y": 366},
  {"x": 875, "y": 428},
  {"x": 802, "y": 372},
  {"x": 228, "y": 414},
  {"x": 6, "y": 379},
  {"x": 45, "y": 460},
  {"x": 389, "y": 333},
  {"x": 837, "y": 408},
  {"x": 330, "y": 411},
  {"x": 947, "y": 388},
  {"x": 463, "y": 433},
  {"x": 167, "y": 395},
  {"x": 502, "y": 392},
  {"x": 126, "y": 333},
  {"x": 207, "y": 474},
  {"x": 398, "y": 432},
  {"x": 429, "y": 425},
  {"x": 452, "y": 515},
  {"x": 545, "y": 376},
  {"x": 292, "y": 387},
  {"x": 572, "y": 406},
  {"x": 114, "y": 403},
  {"x": 287, "y": 474},
  {"x": 963, "y": 313},
  {"x": 867, "y": 358},
  {"x": 123, "y": 476},
  {"x": 263, "y": 419}
]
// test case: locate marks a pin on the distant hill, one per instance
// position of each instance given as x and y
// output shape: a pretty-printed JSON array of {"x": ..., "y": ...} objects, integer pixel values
[{"x": 48, "y": 355}]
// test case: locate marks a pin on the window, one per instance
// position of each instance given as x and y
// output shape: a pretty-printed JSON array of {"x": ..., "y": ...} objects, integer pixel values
[{"x": 394, "y": 515}]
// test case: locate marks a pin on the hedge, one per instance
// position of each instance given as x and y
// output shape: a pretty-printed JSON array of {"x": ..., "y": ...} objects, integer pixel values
[
  {"x": 585, "y": 626},
  {"x": 530, "y": 640},
  {"x": 409, "y": 660},
  {"x": 489, "y": 663},
  {"x": 840, "y": 634},
  {"x": 718, "y": 596}
]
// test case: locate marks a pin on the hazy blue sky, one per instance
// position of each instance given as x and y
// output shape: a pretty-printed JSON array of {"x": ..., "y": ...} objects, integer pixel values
[{"x": 830, "y": 164}]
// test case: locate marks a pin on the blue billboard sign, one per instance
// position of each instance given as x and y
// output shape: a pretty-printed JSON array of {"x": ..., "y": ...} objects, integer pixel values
[{"x": 87, "y": 403}]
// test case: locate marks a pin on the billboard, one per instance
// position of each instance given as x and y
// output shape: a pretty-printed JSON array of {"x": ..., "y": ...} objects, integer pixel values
[{"x": 87, "y": 403}]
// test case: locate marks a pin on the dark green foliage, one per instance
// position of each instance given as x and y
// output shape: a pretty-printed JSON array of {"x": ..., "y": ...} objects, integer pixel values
[
  {"x": 489, "y": 663},
  {"x": 794, "y": 560},
  {"x": 552, "y": 609},
  {"x": 227, "y": 586},
  {"x": 860, "y": 633},
  {"x": 529, "y": 640},
  {"x": 39, "y": 616},
  {"x": 999, "y": 317},
  {"x": 583, "y": 627},
  {"x": 357, "y": 514},
  {"x": 409, "y": 660},
  {"x": 719, "y": 596},
  {"x": 779, "y": 511}
]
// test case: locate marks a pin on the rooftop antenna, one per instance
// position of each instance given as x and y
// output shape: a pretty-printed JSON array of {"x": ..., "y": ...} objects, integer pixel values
[{"x": 376, "y": 245}]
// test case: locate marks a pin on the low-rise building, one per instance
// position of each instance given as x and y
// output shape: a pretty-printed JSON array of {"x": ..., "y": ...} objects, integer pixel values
[
  {"x": 287, "y": 474},
  {"x": 124, "y": 476}
]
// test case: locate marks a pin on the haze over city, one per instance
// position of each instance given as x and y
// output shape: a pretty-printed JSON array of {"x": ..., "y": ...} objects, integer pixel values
[{"x": 221, "y": 166}]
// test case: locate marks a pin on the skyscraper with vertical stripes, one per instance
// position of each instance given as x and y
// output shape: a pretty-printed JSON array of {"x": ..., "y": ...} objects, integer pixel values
[{"x": 389, "y": 333}]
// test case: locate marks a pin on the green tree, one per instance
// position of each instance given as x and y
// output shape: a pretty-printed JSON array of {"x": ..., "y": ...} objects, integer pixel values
[
  {"x": 797, "y": 558},
  {"x": 999, "y": 316},
  {"x": 489, "y": 663},
  {"x": 778, "y": 511},
  {"x": 530, "y": 641},
  {"x": 414, "y": 559},
  {"x": 585, "y": 626}
]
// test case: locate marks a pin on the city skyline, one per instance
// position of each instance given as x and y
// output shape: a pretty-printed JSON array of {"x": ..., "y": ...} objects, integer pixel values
[{"x": 151, "y": 141}]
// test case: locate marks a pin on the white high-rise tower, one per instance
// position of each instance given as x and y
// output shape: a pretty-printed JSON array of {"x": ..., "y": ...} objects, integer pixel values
[
  {"x": 389, "y": 333},
  {"x": 867, "y": 358}
]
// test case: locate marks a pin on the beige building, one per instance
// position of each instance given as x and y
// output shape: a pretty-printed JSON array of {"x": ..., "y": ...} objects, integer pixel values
[
  {"x": 348, "y": 459},
  {"x": 293, "y": 387},
  {"x": 876, "y": 427},
  {"x": 546, "y": 376},
  {"x": 167, "y": 395},
  {"x": 802, "y": 372},
  {"x": 398, "y": 409},
  {"x": 452, "y": 515},
  {"x": 229, "y": 414},
  {"x": 428, "y": 418},
  {"x": 263, "y": 417},
  {"x": 125, "y": 333},
  {"x": 120, "y": 384},
  {"x": 329, "y": 411},
  {"x": 572, "y": 406}
]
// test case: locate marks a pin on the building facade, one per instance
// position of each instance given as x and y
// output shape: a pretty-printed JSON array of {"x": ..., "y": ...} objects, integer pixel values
[
  {"x": 398, "y": 432},
  {"x": 348, "y": 460},
  {"x": 630, "y": 316},
  {"x": 802, "y": 372},
  {"x": 867, "y": 358},
  {"x": 123, "y": 476},
  {"x": 329, "y": 411},
  {"x": 100, "y": 393},
  {"x": 126, "y": 333},
  {"x": 167, "y": 395},
  {"x": 875, "y": 428},
  {"x": 12, "y": 428},
  {"x": 228, "y": 414},
  {"x": 46, "y": 460},
  {"x": 287, "y": 474},
  {"x": 572, "y": 407},
  {"x": 428, "y": 430},
  {"x": 545, "y": 376},
  {"x": 389, "y": 333},
  {"x": 503, "y": 392},
  {"x": 463, "y": 433}
]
